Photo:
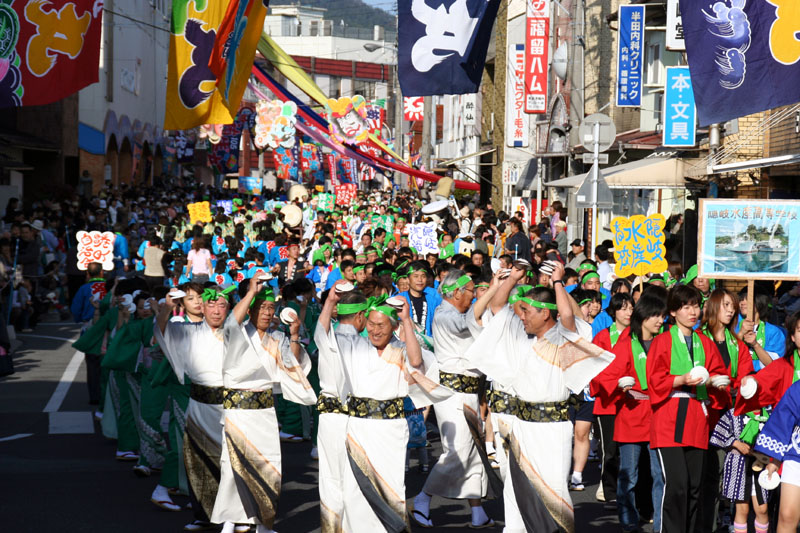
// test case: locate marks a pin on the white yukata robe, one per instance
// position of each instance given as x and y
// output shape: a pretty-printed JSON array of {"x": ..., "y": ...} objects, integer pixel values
[
  {"x": 376, "y": 448},
  {"x": 539, "y": 370},
  {"x": 196, "y": 351},
  {"x": 459, "y": 472},
  {"x": 250, "y": 465},
  {"x": 332, "y": 431}
]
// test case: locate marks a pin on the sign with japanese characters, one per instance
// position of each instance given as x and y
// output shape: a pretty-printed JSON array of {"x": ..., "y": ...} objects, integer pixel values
[
  {"x": 630, "y": 57},
  {"x": 345, "y": 193},
  {"x": 199, "y": 212},
  {"x": 517, "y": 121},
  {"x": 639, "y": 245},
  {"x": 422, "y": 237},
  {"x": 537, "y": 48},
  {"x": 96, "y": 247},
  {"x": 250, "y": 185},
  {"x": 680, "y": 112},
  {"x": 470, "y": 110},
  {"x": 325, "y": 202},
  {"x": 674, "y": 26},
  {"x": 749, "y": 239},
  {"x": 48, "y": 49},
  {"x": 226, "y": 206}
]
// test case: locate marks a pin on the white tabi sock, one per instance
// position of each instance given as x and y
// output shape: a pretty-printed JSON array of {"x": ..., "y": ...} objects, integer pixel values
[
  {"x": 264, "y": 529},
  {"x": 422, "y": 503},
  {"x": 227, "y": 527},
  {"x": 479, "y": 516},
  {"x": 577, "y": 477},
  {"x": 489, "y": 448}
]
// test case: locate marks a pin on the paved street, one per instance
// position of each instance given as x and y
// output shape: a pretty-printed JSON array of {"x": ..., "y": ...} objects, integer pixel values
[{"x": 58, "y": 472}]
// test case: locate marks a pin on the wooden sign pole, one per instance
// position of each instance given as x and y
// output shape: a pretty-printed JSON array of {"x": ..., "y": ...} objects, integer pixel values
[{"x": 750, "y": 313}]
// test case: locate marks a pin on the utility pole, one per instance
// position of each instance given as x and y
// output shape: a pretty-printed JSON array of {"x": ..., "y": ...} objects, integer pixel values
[{"x": 425, "y": 150}]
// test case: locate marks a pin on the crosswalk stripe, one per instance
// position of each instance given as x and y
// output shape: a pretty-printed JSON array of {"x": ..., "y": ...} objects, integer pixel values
[{"x": 71, "y": 423}]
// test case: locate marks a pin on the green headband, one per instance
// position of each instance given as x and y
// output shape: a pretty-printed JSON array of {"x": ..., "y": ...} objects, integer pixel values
[
  {"x": 481, "y": 285},
  {"x": 585, "y": 301},
  {"x": 588, "y": 266},
  {"x": 214, "y": 295},
  {"x": 519, "y": 292},
  {"x": 535, "y": 303},
  {"x": 691, "y": 274},
  {"x": 358, "y": 269},
  {"x": 351, "y": 309},
  {"x": 375, "y": 303},
  {"x": 268, "y": 295},
  {"x": 590, "y": 275},
  {"x": 457, "y": 284}
]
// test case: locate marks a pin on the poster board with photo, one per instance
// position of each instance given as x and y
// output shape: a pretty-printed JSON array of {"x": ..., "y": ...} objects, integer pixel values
[{"x": 749, "y": 239}]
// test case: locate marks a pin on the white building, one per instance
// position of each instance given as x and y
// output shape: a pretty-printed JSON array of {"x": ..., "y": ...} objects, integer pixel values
[{"x": 120, "y": 118}]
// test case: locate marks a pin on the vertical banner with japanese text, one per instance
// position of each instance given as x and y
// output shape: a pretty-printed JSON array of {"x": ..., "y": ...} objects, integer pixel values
[
  {"x": 537, "y": 40},
  {"x": 630, "y": 60},
  {"x": 517, "y": 121},
  {"x": 674, "y": 26},
  {"x": 680, "y": 111}
]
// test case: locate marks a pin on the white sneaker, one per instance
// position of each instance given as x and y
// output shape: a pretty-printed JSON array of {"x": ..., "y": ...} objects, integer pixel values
[{"x": 315, "y": 453}]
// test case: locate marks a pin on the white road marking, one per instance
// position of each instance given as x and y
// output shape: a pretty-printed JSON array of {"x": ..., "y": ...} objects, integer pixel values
[
  {"x": 71, "y": 422},
  {"x": 15, "y": 437},
  {"x": 63, "y": 339},
  {"x": 54, "y": 404}
]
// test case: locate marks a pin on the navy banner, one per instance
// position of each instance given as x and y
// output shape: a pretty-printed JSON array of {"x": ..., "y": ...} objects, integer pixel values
[
  {"x": 743, "y": 56},
  {"x": 442, "y": 45}
]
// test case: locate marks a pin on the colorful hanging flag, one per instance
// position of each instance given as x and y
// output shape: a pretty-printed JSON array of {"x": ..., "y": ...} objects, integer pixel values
[
  {"x": 442, "y": 48},
  {"x": 235, "y": 48},
  {"x": 413, "y": 108},
  {"x": 286, "y": 162},
  {"x": 275, "y": 124},
  {"x": 48, "y": 49},
  {"x": 376, "y": 116},
  {"x": 192, "y": 97},
  {"x": 744, "y": 57},
  {"x": 224, "y": 156},
  {"x": 347, "y": 118},
  {"x": 332, "y": 169}
]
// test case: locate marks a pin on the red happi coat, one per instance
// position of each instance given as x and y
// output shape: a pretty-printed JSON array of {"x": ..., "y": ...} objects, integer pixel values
[
  {"x": 682, "y": 421},
  {"x": 604, "y": 403},
  {"x": 773, "y": 382}
]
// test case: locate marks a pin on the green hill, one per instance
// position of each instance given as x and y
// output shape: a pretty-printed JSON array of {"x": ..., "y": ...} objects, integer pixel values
[{"x": 355, "y": 13}]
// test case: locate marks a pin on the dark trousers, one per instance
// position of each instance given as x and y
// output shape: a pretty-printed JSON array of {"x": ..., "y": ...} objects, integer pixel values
[
  {"x": 153, "y": 282},
  {"x": 709, "y": 496},
  {"x": 682, "y": 468},
  {"x": 609, "y": 467},
  {"x": 93, "y": 377}
]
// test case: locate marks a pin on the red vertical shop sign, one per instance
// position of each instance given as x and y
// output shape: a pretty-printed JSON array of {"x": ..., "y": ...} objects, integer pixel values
[{"x": 537, "y": 45}]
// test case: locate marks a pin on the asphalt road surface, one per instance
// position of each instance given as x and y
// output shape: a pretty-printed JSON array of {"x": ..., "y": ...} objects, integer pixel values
[{"x": 58, "y": 473}]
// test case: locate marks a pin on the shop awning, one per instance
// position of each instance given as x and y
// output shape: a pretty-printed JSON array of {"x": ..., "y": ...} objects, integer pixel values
[{"x": 648, "y": 173}]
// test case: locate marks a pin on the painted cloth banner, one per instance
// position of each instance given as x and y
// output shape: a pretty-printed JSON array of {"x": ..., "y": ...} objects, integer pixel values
[
  {"x": 311, "y": 163},
  {"x": 184, "y": 148},
  {"x": 630, "y": 56},
  {"x": 442, "y": 45},
  {"x": 326, "y": 202},
  {"x": 345, "y": 193},
  {"x": 275, "y": 124},
  {"x": 48, "y": 50},
  {"x": 286, "y": 162},
  {"x": 95, "y": 247},
  {"x": 348, "y": 170},
  {"x": 226, "y": 206},
  {"x": 639, "y": 245},
  {"x": 192, "y": 97},
  {"x": 744, "y": 56},
  {"x": 235, "y": 49},
  {"x": 332, "y": 169},
  {"x": 413, "y": 108}
]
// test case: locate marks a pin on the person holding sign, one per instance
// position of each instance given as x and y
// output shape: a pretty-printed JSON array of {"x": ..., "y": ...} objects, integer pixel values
[
  {"x": 767, "y": 341},
  {"x": 680, "y": 366}
]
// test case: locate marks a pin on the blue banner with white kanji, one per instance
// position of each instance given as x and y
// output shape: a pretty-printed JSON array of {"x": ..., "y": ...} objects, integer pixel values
[
  {"x": 442, "y": 45},
  {"x": 630, "y": 56},
  {"x": 744, "y": 55},
  {"x": 680, "y": 112}
]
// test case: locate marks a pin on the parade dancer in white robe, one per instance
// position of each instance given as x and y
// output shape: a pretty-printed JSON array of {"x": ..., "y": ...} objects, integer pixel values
[
  {"x": 541, "y": 368},
  {"x": 196, "y": 350},
  {"x": 459, "y": 472},
  {"x": 257, "y": 356},
  {"x": 380, "y": 372},
  {"x": 332, "y": 433}
]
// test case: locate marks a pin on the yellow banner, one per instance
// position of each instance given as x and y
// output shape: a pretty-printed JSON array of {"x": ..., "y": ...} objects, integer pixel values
[
  {"x": 192, "y": 98},
  {"x": 639, "y": 245}
]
